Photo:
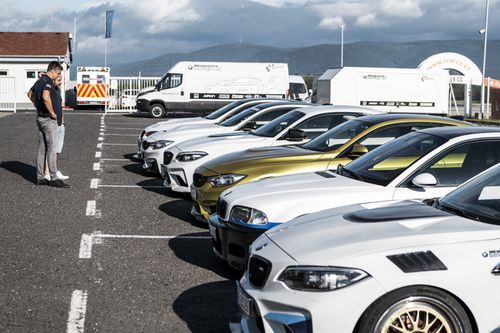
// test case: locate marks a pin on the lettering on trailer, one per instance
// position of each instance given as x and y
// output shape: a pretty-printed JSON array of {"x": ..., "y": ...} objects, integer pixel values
[
  {"x": 398, "y": 104},
  {"x": 87, "y": 90},
  {"x": 232, "y": 96}
]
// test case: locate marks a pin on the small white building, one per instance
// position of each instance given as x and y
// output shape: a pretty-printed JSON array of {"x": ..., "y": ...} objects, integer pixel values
[{"x": 25, "y": 55}]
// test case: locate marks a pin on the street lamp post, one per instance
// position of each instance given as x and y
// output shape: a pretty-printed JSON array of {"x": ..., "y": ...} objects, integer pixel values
[
  {"x": 341, "y": 45},
  {"x": 484, "y": 31}
]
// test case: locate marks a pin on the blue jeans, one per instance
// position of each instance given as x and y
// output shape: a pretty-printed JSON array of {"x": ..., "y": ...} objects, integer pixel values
[{"x": 47, "y": 142}]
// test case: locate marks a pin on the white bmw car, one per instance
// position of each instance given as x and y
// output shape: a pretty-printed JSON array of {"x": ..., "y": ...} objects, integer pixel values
[
  {"x": 153, "y": 146},
  {"x": 385, "y": 267},
  {"x": 295, "y": 127},
  {"x": 215, "y": 117},
  {"x": 425, "y": 164}
]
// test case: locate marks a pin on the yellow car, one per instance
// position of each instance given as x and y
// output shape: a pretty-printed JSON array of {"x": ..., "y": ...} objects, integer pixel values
[{"x": 340, "y": 145}]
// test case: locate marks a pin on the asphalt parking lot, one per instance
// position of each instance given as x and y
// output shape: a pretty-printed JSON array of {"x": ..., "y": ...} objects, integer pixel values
[{"x": 115, "y": 252}]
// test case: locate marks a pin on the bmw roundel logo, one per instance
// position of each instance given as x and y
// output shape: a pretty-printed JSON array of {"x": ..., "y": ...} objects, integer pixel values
[
  {"x": 485, "y": 254},
  {"x": 190, "y": 67}
]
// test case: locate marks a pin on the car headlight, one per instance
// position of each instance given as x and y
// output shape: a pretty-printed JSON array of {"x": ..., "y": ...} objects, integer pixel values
[
  {"x": 225, "y": 180},
  {"x": 190, "y": 156},
  {"x": 241, "y": 214},
  {"x": 160, "y": 144},
  {"x": 321, "y": 278}
]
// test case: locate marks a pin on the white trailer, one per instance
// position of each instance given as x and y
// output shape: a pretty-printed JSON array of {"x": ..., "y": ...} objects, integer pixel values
[
  {"x": 386, "y": 89},
  {"x": 200, "y": 87}
]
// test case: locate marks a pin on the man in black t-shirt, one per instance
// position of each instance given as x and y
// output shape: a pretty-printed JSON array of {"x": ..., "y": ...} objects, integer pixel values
[{"x": 41, "y": 95}]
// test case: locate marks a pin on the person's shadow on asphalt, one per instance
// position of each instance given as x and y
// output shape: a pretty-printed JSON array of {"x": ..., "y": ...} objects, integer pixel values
[{"x": 24, "y": 170}]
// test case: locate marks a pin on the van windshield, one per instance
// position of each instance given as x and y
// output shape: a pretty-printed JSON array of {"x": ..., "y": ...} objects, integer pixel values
[
  {"x": 297, "y": 88},
  {"x": 225, "y": 109},
  {"x": 276, "y": 126},
  {"x": 235, "y": 120},
  {"x": 168, "y": 81}
]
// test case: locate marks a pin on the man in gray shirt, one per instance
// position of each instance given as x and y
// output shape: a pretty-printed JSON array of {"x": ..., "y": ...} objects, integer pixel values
[{"x": 41, "y": 95}]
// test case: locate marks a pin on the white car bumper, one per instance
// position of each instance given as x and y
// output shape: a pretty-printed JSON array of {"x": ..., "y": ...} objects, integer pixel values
[{"x": 276, "y": 308}]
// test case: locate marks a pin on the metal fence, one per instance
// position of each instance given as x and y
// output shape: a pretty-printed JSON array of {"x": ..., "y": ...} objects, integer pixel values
[
  {"x": 123, "y": 92},
  {"x": 7, "y": 93}
]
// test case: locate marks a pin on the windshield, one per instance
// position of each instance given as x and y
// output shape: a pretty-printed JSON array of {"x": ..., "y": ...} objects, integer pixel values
[
  {"x": 383, "y": 164},
  {"x": 337, "y": 136},
  {"x": 160, "y": 82},
  {"x": 276, "y": 126},
  {"x": 225, "y": 109},
  {"x": 236, "y": 119},
  {"x": 297, "y": 88},
  {"x": 478, "y": 199}
]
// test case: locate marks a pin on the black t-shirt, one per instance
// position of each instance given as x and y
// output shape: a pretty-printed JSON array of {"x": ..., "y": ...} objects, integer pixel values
[{"x": 42, "y": 84}]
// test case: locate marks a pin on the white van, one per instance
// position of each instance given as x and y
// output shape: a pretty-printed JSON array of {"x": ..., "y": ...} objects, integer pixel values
[
  {"x": 201, "y": 87},
  {"x": 298, "y": 88}
]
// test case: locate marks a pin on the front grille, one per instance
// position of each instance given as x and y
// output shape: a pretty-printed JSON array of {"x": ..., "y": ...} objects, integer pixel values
[
  {"x": 221, "y": 208},
  {"x": 167, "y": 157},
  {"x": 258, "y": 271},
  {"x": 199, "y": 180},
  {"x": 145, "y": 145}
]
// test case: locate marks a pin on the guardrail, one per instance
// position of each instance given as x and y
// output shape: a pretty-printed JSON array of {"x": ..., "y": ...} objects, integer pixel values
[
  {"x": 8, "y": 93},
  {"x": 123, "y": 92}
]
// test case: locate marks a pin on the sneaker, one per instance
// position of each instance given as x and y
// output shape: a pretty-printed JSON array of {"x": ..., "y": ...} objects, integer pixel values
[
  {"x": 42, "y": 181},
  {"x": 47, "y": 177},
  {"x": 61, "y": 176},
  {"x": 58, "y": 183}
]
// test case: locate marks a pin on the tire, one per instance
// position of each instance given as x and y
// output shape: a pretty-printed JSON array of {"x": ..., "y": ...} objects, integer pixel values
[
  {"x": 399, "y": 308},
  {"x": 157, "y": 111}
]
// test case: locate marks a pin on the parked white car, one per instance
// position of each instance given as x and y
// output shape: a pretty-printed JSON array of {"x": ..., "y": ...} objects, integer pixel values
[
  {"x": 424, "y": 164},
  {"x": 385, "y": 267},
  {"x": 216, "y": 117},
  {"x": 295, "y": 127},
  {"x": 153, "y": 146}
]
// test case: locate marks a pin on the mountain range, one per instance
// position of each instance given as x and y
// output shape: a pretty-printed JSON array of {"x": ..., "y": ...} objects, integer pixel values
[{"x": 318, "y": 58}]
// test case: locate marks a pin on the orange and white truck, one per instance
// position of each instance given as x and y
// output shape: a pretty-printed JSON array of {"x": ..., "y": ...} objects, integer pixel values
[{"x": 92, "y": 86}]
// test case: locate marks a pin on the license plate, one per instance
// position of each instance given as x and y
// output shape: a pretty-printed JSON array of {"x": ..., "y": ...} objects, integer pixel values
[
  {"x": 243, "y": 301},
  {"x": 194, "y": 195},
  {"x": 212, "y": 230}
]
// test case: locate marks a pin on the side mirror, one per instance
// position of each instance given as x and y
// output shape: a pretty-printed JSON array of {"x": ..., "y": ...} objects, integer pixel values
[
  {"x": 295, "y": 134},
  {"x": 424, "y": 180},
  {"x": 357, "y": 151},
  {"x": 251, "y": 125}
]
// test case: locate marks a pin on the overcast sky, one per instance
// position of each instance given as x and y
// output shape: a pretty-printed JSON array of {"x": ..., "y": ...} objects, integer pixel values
[{"x": 145, "y": 29}]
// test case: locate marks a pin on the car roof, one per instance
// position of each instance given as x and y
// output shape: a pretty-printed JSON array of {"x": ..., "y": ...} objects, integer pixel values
[
  {"x": 318, "y": 109},
  {"x": 375, "y": 119},
  {"x": 450, "y": 132}
]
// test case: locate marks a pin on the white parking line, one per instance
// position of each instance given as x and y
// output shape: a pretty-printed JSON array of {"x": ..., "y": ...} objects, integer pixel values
[
  {"x": 77, "y": 310},
  {"x": 96, "y": 166},
  {"x": 115, "y": 159},
  {"x": 88, "y": 240},
  {"x": 126, "y": 128},
  {"x": 99, "y": 145},
  {"x": 91, "y": 208},
  {"x": 115, "y": 134},
  {"x": 98, "y": 154},
  {"x": 120, "y": 144},
  {"x": 94, "y": 182},
  {"x": 131, "y": 186},
  {"x": 100, "y": 138}
]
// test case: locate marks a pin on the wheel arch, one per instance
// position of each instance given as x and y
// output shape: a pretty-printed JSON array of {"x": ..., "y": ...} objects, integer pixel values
[{"x": 458, "y": 299}]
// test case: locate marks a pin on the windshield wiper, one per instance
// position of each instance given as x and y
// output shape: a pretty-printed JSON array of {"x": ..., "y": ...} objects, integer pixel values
[
  {"x": 341, "y": 169},
  {"x": 459, "y": 212}
]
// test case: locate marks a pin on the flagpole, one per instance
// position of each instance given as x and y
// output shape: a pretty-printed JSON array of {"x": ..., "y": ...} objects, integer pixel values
[{"x": 105, "y": 62}]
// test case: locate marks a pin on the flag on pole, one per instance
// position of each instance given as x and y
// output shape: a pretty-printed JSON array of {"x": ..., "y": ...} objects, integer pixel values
[{"x": 109, "y": 22}]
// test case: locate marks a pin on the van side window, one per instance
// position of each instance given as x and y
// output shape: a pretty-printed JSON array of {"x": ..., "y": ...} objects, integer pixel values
[
  {"x": 100, "y": 79},
  {"x": 172, "y": 81},
  {"x": 85, "y": 78}
]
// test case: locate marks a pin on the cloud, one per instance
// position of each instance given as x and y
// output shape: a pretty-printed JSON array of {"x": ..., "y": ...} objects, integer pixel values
[
  {"x": 367, "y": 20},
  {"x": 401, "y": 8},
  {"x": 332, "y": 23}
]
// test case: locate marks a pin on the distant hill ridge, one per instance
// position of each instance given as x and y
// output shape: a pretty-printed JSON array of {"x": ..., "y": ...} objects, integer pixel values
[{"x": 316, "y": 59}]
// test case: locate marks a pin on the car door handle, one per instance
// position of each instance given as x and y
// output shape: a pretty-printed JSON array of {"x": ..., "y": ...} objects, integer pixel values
[{"x": 496, "y": 270}]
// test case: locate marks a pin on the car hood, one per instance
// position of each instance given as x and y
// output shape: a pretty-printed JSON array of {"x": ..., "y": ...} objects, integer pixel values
[
  {"x": 172, "y": 123},
  {"x": 186, "y": 132},
  {"x": 286, "y": 197},
  {"x": 363, "y": 229},
  {"x": 213, "y": 144},
  {"x": 260, "y": 156}
]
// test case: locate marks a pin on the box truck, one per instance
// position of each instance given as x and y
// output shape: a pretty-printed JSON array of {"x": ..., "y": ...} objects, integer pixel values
[
  {"x": 386, "y": 89},
  {"x": 92, "y": 84},
  {"x": 201, "y": 87}
]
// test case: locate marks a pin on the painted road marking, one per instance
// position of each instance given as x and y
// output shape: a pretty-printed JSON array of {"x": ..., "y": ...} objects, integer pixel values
[
  {"x": 94, "y": 182},
  {"x": 100, "y": 138},
  {"x": 120, "y": 144},
  {"x": 77, "y": 310},
  {"x": 126, "y": 128},
  {"x": 99, "y": 145},
  {"x": 88, "y": 240},
  {"x": 96, "y": 166},
  {"x": 131, "y": 186},
  {"x": 91, "y": 208},
  {"x": 98, "y": 154},
  {"x": 115, "y": 159},
  {"x": 115, "y": 134}
]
